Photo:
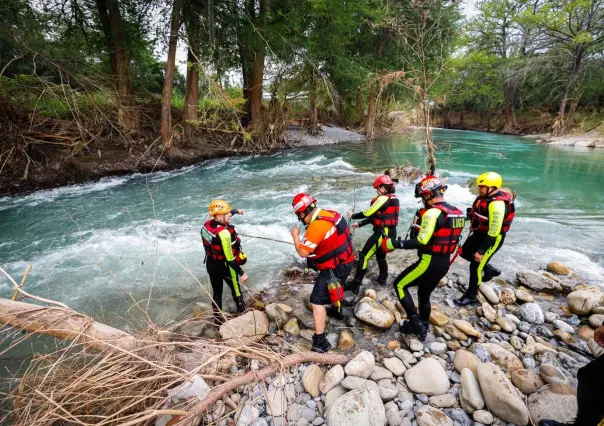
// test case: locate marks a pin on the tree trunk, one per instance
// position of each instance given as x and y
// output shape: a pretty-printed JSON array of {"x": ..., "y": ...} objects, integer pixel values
[
  {"x": 312, "y": 121},
  {"x": 559, "y": 125},
  {"x": 359, "y": 107},
  {"x": 569, "y": 117},
  {"x": 510, "y": 124},
  {"x": 191, "y": 17},
  {"x": 166, "y": 97},
  {"x": 369, "y": 121},
  {"x": 488, "y": 113},
  {"x": 461, "y": 119}
]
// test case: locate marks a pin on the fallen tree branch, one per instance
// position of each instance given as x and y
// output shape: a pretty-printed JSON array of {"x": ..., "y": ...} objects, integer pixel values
[{"x": 289, "y": 361}]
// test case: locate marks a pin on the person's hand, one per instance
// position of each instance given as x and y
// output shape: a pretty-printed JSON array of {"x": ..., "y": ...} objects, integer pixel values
[
  {"x": 240, "y": 212},
  {"x": 355, "y": 226},
  {"x": 295, "y": 231},
  {"x": 599, "y": 335},
  {"x": 243, "y": 278},
  {"x": 478, "y": 257},
  {"x": 350, "y": 213}
]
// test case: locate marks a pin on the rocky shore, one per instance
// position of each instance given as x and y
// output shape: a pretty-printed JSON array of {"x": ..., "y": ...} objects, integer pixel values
[{"x": 510, "y": 360}]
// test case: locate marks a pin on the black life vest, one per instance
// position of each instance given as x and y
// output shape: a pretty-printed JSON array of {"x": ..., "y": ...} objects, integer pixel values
[
  {"x": 387, "y": 215},
  {"x": 480, "y": 212},
  {"x": 336, "y": 248},
  {"x": 448, "y": 229},
  {"x": 211, "y": 242}
]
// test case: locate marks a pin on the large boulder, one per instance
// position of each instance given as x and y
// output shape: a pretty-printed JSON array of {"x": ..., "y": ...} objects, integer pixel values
[
  {"x": 245, "y": 329},
  {"x": 430, "y": 416},
  {"x": 581, "y": 302},
  {"x": 358, "y": 407},
  {"x": 428, "y": 377},
  {"x": 374, "y": 313},
  {"x": 537, "y": 282},
  {"x": 332, "y": 378},
  {"x": 558, "y": 268},
  {"x": 501, "y": 357},
  {"x": 361, "y": 365},
  {"x": 276, "y": 314},
  {"x": 501, "y": 397},
  {"x": 556, "y": 402}
]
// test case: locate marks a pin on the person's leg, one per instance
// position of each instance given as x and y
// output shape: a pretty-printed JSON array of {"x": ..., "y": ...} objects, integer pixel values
[
  {"x": 412, "y": 276},
  {"x": 471, "y": 246},
  {"x": 232, "y": 279},
  {"x": 216, "y": 273},
  {"x": 366, "y": 253},
  {"x": 380, "y": 256},
  {"x": 318, "y": 299},
  {"x": 437, "y": 270},
  {"x": 489, "y": 271}
]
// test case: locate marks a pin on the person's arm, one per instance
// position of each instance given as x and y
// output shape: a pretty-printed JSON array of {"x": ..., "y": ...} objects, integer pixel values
[
  {"x": 302, "y": 251},
  {"x": 496, "y": 211},
  {"x": 225, "y": 241},
  {"x": 377, "y": 204},
  {"x": 236, "y": 211},
  {"x": 426, "y": 230},
  {"x": 364, "y": 222}
]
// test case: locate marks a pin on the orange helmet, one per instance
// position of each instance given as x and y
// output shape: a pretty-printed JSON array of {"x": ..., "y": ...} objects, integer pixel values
[
  {"x": 302, "y": 201},
  {"x": 430, "y": 185},
  {"x": 219, "y": 207}
]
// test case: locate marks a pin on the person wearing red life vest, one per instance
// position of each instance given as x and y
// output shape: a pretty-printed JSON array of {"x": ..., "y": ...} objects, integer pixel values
[
  {"x": 435, "y": 233},
  {"x": 491, "y": 216},
  {"x": 327, "y": 245},
  {"x": 383, "y": 215},
  {"x": 224, "y": 257}
]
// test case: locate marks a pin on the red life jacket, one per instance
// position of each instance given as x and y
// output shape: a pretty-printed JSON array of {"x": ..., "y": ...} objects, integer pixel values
[
  {"x": 387, "y": 215},
  {"x": 335, "y": 249},
  {"x": 480, "y": 212},
  {"x": 447, "y": 232},
  {"x": 211, "y": 242}
]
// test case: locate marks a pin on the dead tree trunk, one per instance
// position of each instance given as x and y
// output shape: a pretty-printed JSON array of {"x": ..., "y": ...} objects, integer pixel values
[
  {"x": 166, "y": 97},
  {"x": 559, "y": 124}
]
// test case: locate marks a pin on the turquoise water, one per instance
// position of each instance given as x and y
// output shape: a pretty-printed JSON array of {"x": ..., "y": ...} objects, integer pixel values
[{"x": 92, "y": 246}]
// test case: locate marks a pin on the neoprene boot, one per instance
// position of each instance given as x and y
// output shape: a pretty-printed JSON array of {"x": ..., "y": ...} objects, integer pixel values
[
  {"x": 334, "y": 312},
  {"x": 466, "y": 300},
  {"x": 489, "y": 272},
  {"x": 240, "y": 304},
  {"x": 218, "y": 317},
  {"x": 353, "y": 285},
  {"x": 383, "y": 275},
  {"x": 320, "y": 343},
  {"x": 414, "y": 325}
]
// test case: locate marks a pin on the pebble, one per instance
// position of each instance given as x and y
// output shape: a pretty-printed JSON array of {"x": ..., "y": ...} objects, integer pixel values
[
  {"x": 482, "y": 416},
  {"x": 458, "y": 415},
  {"x": 438, "y": 348},
  {"x": 561, "y": 325},
  {"x": 443, "y": 401}
]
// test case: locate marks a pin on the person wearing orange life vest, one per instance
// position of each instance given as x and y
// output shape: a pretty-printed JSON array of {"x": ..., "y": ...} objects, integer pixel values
[
  {"x": 224, "y": 257},
  {"x": 383, "y": 215},
  {"x": 491, "y": 216},
  {"x": 327, "y": 245},
  {"x": 435, "y": 233}
]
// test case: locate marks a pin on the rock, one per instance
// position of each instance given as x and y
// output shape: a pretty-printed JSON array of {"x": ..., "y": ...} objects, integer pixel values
[
  {"x": 598, "y": 310},
  {"x": 395, "y": 365},
  {"x": 523, "y": 296},
  {"x": 430, "y": 416},
  {"x": 481, "y": 352},
  {"x": 558, "y": 268},
  {"x": 482, "y": 416},
  {"x": 405, "y": 356},
  {"x": 552, "y": 375},
  {"x": 596, "y": 320},
  {"x": 527, "y": 382},
  {"x": 561, "y": 325},
  {"x": 466, "y": 328},
  {"x": 392, "y": 414},
  {"x": 307, "y": 334},
  {"x": 586, "y": 332},
  {"x": 428, "y": 377},
  {"x": 437, "y": 348},
  {"x": 537, "y": 282},
  {"x": 460, "y": 418},
  {"x": 516, "y": 342},
  {"x": 507, "y": 296},
  {"x": 502, "y": 357},
  {"x": 380, "y": 373},
  {"x": 564, "y": 336},
  {"x": 393, "y": 345},
  {"x": 438, "y": 318},
  {"x": 506, "y": 324},
  {"x": 247, "y": 415},
  {"x": 412, "y": 342},
  {"x": 488, "y": 292},
  {"x": 465, "y": 359},
  {"x": 361, "y": 365},
  {"x": 245, "y": 329},
  {"x": 333, "y": 395},
  {"x": 455, "y": 332},
  {"x": 471, "y": 390},
  {"x": 453, "y": 345},
  {"x": 276, "y": 402},
  {"x": 313, "y": 376},
  {"x": 358, "y": 383},
  {"x": 489, "y": 312},
  {"x": 370, "y": 293},
  {"x": 346, "y": 340},
  {"x": 297, "y": 412},
  {"x": 388, "y": 390},
  {"x": 595, "y": 349},
  {"x": 276, "y": 314},
  {"x": 443, "y": 401},
  {"x": 292, "y": 327},
  {"x": 332, "y": 378},
  {"x": 556, "y": 402},
  {"x": 501, "y": 397},
  {"x": 374, "y": 313},
  {"x": 358, "y": 407},
  {"x": 537, "y": 348},
  {"x": 581, "y": 302},
  {"x": 532, "y": 313}
]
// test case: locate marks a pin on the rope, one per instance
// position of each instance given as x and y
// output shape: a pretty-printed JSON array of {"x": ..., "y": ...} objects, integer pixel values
[{"x": 265, "y": 238}]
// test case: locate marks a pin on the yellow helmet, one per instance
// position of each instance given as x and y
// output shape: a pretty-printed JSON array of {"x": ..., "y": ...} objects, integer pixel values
[
  {"x": 219, "y": 207},
  {"x": 490, "y": 179}
]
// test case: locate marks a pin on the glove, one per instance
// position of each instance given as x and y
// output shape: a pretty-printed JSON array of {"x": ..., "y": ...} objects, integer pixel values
[
  {"x": 387, "y": 245},
  {"x": 469, "y": 213},
  {"x": 241, "y": 259}
]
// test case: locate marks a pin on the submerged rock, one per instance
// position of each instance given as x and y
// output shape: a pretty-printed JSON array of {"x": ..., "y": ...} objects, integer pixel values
[
  {"x": 537, "y": 282},
  {"x": 558, "y": 268}
]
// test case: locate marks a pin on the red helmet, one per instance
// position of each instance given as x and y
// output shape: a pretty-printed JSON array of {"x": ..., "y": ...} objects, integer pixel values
[
  {"x": 302, "y": 201},
  {"x": 382, "y": 180},
  {"x": 430, "y": 185}
]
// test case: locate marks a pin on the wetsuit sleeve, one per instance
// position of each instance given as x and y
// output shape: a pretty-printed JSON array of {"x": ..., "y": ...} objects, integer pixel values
[
  {"x": 426, "y": 230},
  {"x": 365, "y": 222},
  {"x": 234, "y": 211},
  {"x": 496, "y": 215},
  {"x": 377, "y": 204},
  {"x": 225, "y": 241}
]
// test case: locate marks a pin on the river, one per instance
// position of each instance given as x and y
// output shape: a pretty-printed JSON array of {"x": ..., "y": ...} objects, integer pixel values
[{"x": 98, "y": 246}]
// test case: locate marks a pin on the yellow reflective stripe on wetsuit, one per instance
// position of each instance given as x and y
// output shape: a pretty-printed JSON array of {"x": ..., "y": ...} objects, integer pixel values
[
  {"x": 496, "y": 216},
  {"x": 487, "y": 255},
  {"x": 426, "y": 230},
  {"x": 373, "y": 249},
  {"x": 225, "y": 241},
  {"x": 379, "y": 202}
]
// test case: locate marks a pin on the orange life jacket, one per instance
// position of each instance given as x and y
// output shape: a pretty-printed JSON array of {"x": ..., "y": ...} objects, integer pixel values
[
  {"x": 387, "y": 215},
  {"x": 335, "y": 249},
  {"x": 480, "y": 212},
  {"x": 211, "y": 242},
  {"x": 448, "y": 230}
]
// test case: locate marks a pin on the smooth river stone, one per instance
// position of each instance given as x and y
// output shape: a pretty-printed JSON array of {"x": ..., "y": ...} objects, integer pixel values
[{"x": 427, "y": 377}]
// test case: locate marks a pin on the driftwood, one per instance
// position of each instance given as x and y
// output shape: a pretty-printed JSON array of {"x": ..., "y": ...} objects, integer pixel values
[{"x": 289, "y": 361}]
